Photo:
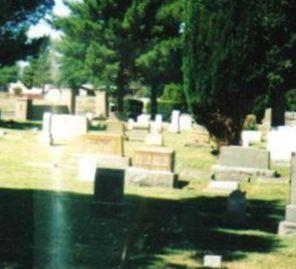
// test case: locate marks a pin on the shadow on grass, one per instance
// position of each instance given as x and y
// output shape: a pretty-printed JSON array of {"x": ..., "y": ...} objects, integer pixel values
[
  {"x": 11, "y": 124},
  {"x": 46, "y": 229}
]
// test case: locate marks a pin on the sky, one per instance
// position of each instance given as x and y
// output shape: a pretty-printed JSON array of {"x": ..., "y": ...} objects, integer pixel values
[{"x": 42, "y": 28}]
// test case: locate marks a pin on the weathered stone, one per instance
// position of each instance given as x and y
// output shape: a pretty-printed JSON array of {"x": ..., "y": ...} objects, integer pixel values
[
  {"x": 23, "y": 109},
  {"x": 222, "y": 186},
  {"x": 102, "y": 106},
  {"x": 175, "y": 122},
  {"x": 239, "y": 163},
  {"x": 109, "y": 186},
  {"x": 115, "y": 127},
  {"x": 236, "y": 208},
  {"x": 185, "y": 122},
  {"x": 288, "y": 226},
  {"x": 252, "y": 136},
  {"x": 67, "y": 127},
  {"x": 154, "y": 139},
  {"x": 102, "y": 144},
  {"x": 150, "y": 178},
  {"x": 281, "y": 143},
  {"x": 138, "y": 133},
  {"x": 87, "y": 169},
  {"x": 212, "y": 261},
  {"x": 159, "y": 159}
]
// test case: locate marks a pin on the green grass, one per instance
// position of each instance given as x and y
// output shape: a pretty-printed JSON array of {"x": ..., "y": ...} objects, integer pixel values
[{"x": 48, "y": 221}]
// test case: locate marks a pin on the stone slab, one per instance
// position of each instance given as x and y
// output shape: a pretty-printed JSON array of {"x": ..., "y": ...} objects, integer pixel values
[
  {"x": 154, "y": 139},
  {"x": 102, "y": 144},
  {"x": 147, "y": 178},
  {"x": 239, "y": 173},
  {"x": 138, "y": 134},
  {"x": 222, "y": 186},
  {"x": 252, "y": 136},
  {"x": 154, "y": 158},
  {"x": 212, "y": 261},
  {"x": 115, "y": 127},
  {"x": 287, "y": 228},
  {"x": 235, "y": 156},
  {"x": 102, "y": 106},
  {"x": 291, "y": 213},
  {"x": 109, "y": 185},
  {"x": 67, "y": 127},
  {"x": 87, "y": 167}
]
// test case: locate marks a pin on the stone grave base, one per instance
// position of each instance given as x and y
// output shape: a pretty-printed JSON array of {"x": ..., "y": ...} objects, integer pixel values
[
  {"x": 150, "y": 178},
  {"x": 291, "y": 213},
  {"x": 88, "y": 165},
  {"x": 287, "y": 228},
  {"x": 138, "y": 135},
  {"x": 221, "y": 172},
  {"x": 222, "y": 186}
]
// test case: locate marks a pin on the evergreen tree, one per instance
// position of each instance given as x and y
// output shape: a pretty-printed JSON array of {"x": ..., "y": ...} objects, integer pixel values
[{"x": 231, "y": 54}]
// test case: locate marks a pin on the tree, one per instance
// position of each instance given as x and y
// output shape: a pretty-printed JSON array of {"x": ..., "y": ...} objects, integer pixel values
[
  {"x": 39, "y": 72},
  {"x": 8, "y": 74},
  {"x": 97, "y": 46},
  {"x": 160, "y": 59},
  {"x": 225, "y": 62},
  {"x": 15, "y": 18}
]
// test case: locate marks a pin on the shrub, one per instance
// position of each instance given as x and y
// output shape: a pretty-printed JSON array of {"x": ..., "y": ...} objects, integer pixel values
[{"x": 17, "y": 91}]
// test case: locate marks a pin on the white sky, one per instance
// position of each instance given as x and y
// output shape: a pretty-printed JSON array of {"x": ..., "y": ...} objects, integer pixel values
[{"x": 42, "y": 28}]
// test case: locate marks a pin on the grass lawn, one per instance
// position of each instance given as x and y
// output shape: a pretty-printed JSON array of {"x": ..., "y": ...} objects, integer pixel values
[{"x": 48, "y": 221}]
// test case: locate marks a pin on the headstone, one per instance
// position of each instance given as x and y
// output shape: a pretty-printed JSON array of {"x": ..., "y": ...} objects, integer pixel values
[
  {"x": 222, "y": 186},
  {"x": 154, "y": 139},
  {"x": 46, "y": 135},
  {"x": 87, "y": 169},
  {"x": 143, "y": 119},
  {"x": 236, "y": 208},
  {"x": 185, "y": 122},
  {"x": 156, "y": 126},
  {"x": 251, "y": 136},
  {"x": 102, "y": 106},
  {"x": 100, "y": 151},
  {"x": 67, "y": 127},
  {"x": 267, "y": 117},
  {"x": 175, "y": 122},
  {"x": 281, "y": 143},
  {"x": 23, "y": 109},
  {"x": 152, "y": 167},
  {"x": 139, "y": 133},
  {"x": 212, "y": 261},
  {"x": 115, "y": 127},
  {"x": 288, "y": 226},
  {"x": 130, "y": 124},
  {"x": 241, "y": 163},
  {"x": 102, "y": 144},
  {"x": 197, "y": 138},
  {"x": 109, "y": 186},
  {"x": 151, "y": 158},
  {"x": 290, "y": 118}
]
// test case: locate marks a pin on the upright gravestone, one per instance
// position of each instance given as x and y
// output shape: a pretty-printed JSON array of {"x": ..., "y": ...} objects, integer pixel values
[
  {"x": 46, "y": 135},
  {"x": 152, "y": 166},
  {"x": 185, "y": 122},
  {"x": 156, "y": 126},
  {"x": 175, "y": 122},
  {"x": 236, "y": 208},
  {"x": 240, "y": 163},
  {"x": 102, "y": 106},
  {"x": 100, "y": 151},
  {"x": 288, "y": 226},
  {"x": 23, "y": 109}
]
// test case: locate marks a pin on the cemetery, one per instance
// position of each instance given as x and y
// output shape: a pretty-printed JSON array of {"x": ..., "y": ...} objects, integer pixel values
[{"x": 147, "y": 134}]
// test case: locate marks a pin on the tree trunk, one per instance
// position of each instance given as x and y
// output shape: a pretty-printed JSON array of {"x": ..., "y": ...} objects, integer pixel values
[
  {"x": 120, "y": 90},
  {"x": 73, "y": 101},
  {"x": 278, "y": 107},
  {"x": 153, "y": 101}
]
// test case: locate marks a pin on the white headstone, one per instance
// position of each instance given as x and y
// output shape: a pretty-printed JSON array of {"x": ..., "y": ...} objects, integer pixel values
[
  {"x": 87, "y": 169},
  {"x": 252, "y": 136},
  {"x": 223, "y": 186},
  {"x": 130, "y": 124},
  {"x": 185, "y": 122},
  {"x": 67, "y": 127},
  {"x": 155, "y": 139},
  {"x": 156, "y": 126},
  {"x": 212, "y": 261},
  {"x": 281, "y": 142},
  {"x": 143, "y": 119},
  {"x": 175, "y": 123}
]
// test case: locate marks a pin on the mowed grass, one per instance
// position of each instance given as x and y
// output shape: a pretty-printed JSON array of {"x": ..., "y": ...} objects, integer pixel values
[{"x": 48, "y": 219}]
